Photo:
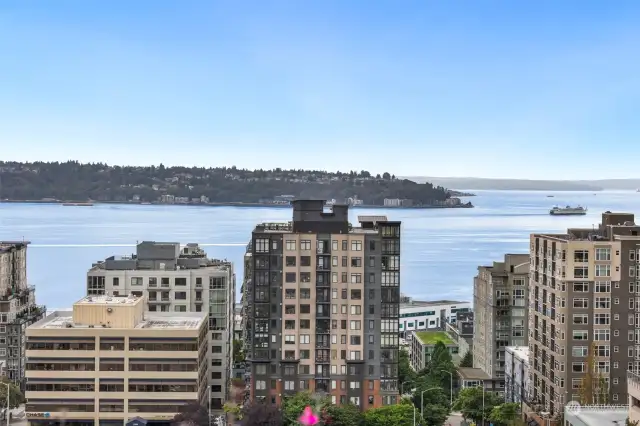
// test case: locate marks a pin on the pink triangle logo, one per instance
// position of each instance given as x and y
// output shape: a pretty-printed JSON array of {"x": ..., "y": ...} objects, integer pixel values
[{"x": 308, "y": 418}]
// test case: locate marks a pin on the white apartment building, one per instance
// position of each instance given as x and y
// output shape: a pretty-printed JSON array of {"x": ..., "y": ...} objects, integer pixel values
[
  {"x": 416, "y": 315},
  {"x": 516, "y": 374},
  {"x": 178, "y": 279}
]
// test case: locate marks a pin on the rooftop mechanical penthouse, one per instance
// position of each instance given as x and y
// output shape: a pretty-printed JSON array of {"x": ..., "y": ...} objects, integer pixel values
[{"x": 321, "y": 300}]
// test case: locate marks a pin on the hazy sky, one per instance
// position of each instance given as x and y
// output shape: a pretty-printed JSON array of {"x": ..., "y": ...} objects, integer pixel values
[{"x": 516, "y": 88}]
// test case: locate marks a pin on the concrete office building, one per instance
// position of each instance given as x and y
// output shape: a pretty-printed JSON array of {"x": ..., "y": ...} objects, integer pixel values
[
  {"x": 584, "y": 293},
  {"x": 175, "y": 279},
  {"x": 18, "y": 308},
  {"x": 323, "y": 305},
  {"x": 500, "y": 296},
  {"x": 109, "y": 361},
  {"x": 419, "y": 315}
]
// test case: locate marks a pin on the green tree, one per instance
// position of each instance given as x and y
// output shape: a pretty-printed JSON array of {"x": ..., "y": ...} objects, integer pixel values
[
  {"x": 467, "y": 360},
  {"x": 341, "y": 415},
  {"x": 238, "y": 351},
  {"x": 470, "y": 402},
  {"x": 434, "y": 402},
  {"x": 16, "y": 398},
  {"x": 393, "y": 415},
  {"x": 629, "y": 422},
  {"x": 440, "y": 370},
  {"x": 507, "y": 414},
  {"x": 405, "y": 372}
]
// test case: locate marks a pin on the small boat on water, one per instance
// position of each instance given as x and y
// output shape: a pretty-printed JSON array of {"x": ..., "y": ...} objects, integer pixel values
[
  {"x": 77, "y": 204},
  {"x": 568, "y": 211}
]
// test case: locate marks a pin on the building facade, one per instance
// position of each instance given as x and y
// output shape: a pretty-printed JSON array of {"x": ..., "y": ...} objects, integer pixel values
[
  {"x": 18, "y": 308},
  {"x": 424, "y": 342},
  {"x": 322, "y": 306},
  {"x": 179, "y": 279},
  {"x": 584, "y": 294},
  {"x": 109, "y": 361},
  {"x": 516, "y": 374},
  {"x": 500, "y": 296},
  {"x": 417, "y": 315},
  {"x": 461, "y": 332}
]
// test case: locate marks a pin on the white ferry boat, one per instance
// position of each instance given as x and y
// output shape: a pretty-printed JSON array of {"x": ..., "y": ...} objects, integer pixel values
[{"x": 567, "y": 211}]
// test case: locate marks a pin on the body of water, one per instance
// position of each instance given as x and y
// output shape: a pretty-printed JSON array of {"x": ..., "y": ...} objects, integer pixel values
[{"x": 441, "y": 248}]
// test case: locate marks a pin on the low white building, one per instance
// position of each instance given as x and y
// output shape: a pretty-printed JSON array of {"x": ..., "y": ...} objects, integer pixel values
[
  {"x": 417, "y": 315},
  {"x": 516, "y": 374}
]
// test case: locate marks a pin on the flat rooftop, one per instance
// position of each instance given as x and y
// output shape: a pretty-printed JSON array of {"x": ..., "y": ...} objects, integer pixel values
[
  {"x": 107, "y": 300},
  {"x": 472, "y": 374},
  {"x": 433, "y": 337},
  {"x": 521, "y": 352},
  {"x": 598, "y": 415},
  {"x": 5, "y": 246},
  {"x": 429, "y": 303},
  {"x": 152, "y": 320}
]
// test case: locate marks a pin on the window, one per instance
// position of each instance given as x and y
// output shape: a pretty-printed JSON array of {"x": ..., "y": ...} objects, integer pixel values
[
  {"x": 305, "y": 293},
  {"x": 289, "y": 385},
  {"x": 345, "y": 246},
  {"x": 580, "y": 319},
  {"x": 603, "y": 350},
  {"x": 356, "y": 310},
  {"x": 305, "y": 277},
  {"x": 116, "y": 281},
  {"x": 290, "y": 309},
  {"x": 355, "y": 325},
  {"x": 334, "y": 277},
  {"x": 580, "y": 335},
  {"x": 290, "y": 277},
  {"x": 581, "y": 272},
  {"x": 305, "y": 245},
  {"x": 356, "y": 294},
  {"x": 305, "y": 309},
  {"x": 334, "y": 261},
  {"x": 580, "y": 287},
  {"x": 372, "y": 261},
  {"x": 180, "y": 295},
  {"x": 602, "y": 319},
  {"x": 577, "y": 367},
  {"x": 290, "y": 245},
  {"x": 290, "y": 324},
  {"x": 334, "y": 293},
  {"x": 602, "y": 335},
  {"x": 305, "y": 260},
  {"x": 181, "y": 281},
  {"x": 344, "y": 293},
  {"x": 603, "y": 254},
  {"x": 579, "y": 302},
  {"x": 136, "y": 280},
  {"x": 289, "y": 339},
  {"x": 602, "y": 287},
  {"x": 356, "y": 278},
  {"x": 581, "y": 256},
  {"x": 356, "y": 262},
  {"x": 262, "y": 245},
  {"x": 356, "y": 245},
  {"x": 290, "y": 293},
  {"x": 290, "y": 261},
  {"x": 603, "y": 270},
  {"x": 334, "y": 245},
  {"x": 579, "y": 351},
  {"x": 602, "y": 303}
]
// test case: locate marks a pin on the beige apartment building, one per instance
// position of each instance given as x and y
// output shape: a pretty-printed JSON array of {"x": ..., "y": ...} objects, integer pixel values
[
  {"x": 583, "y": 297},
  {"x": 175, "y": 278},
  {"x": 108, "y": 361},
  {"x": 322, "y": 306},
  {"x": 500, "y": 299}
]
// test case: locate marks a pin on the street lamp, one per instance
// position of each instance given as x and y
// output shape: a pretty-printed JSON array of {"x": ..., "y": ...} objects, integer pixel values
[
  {"x": 422, "y": 400},
  {"x": 450, "y": 386},
  {"x": 402, "y": 386},
  {"x": 483, "y": 402}
]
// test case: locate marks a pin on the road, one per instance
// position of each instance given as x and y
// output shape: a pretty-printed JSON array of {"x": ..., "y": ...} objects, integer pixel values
[{"x": 455, "y": 419}]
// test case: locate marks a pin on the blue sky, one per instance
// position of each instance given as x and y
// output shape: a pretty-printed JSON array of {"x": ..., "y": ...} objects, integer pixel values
[{"x": 522, "y": 89}]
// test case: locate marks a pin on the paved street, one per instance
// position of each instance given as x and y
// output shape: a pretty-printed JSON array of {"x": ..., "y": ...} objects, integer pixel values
[{"x": 455, "y": 419}]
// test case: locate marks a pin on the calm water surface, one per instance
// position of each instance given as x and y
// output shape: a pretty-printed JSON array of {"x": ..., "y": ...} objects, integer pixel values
[{"x": 441, "y": 249}]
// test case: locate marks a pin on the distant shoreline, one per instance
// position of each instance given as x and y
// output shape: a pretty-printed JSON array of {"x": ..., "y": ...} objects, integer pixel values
[{"x": 218, "y": 204}]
